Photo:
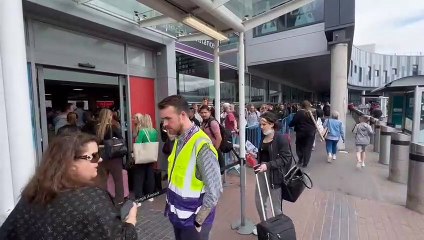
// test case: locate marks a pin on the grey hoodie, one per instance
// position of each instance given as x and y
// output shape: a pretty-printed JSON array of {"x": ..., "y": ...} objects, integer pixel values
[{"x": 362, "y": 133}]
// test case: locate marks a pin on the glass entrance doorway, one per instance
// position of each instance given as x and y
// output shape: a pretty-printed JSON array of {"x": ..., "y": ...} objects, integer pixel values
[
  {"x": 85, "y": 93},
  {"x": 418, "y": 121}
]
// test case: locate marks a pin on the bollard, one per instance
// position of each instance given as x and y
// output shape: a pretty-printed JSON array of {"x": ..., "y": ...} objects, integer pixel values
[
  {"x": 415, "y": 192},
  {"x": 385, "y": 138},
  {"x": 399, "y": 152}
]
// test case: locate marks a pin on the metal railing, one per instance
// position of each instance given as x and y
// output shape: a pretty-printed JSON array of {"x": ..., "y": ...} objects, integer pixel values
[
  {"x": 356, "y": 113},
  {"x": 254, "y": 135},
  {"x": 284, "y": 124}
]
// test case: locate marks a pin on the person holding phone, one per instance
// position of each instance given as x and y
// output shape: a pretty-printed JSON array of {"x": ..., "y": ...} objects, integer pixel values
[
  {"x": 62, "y": 200},
  {"x": 274, "y": 157}
]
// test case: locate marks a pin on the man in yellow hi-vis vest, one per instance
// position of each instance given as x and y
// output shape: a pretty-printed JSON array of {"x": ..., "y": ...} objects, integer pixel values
[{"x": 193, "y": 173}]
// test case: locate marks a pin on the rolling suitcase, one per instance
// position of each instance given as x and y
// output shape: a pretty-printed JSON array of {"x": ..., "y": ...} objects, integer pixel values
[{"x": 278, "y": 227}]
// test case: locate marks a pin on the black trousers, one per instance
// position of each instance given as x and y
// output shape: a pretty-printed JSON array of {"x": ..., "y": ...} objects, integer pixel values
[
  {"x": 143, "y": 179},
  {"x": 192, "y": 233},
  {"x": 304, "y": 143}
]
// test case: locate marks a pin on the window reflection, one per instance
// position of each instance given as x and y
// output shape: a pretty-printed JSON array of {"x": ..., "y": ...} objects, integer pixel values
[{"x": 309, "y": 14}]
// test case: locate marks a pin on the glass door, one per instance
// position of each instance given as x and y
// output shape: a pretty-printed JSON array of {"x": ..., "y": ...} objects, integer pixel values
[
  {"x": 42, "y": 108},
  {"x": 418, "y": 122},
  {"x": 125, "y": 113}
]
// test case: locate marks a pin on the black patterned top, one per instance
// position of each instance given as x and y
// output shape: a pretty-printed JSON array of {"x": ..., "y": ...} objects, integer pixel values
[{"x": 86, "y": 213}]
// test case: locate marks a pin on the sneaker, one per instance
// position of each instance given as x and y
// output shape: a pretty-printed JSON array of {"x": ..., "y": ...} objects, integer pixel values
[
  {"x": 329, "y": 158},
  {"x": 358, "y": 164},
  {"x": 363, "y": 164},
  {"x": 334, "y": 157},
  {"x": 150, "y": 199},
  {"x": 255, "y": 231}
]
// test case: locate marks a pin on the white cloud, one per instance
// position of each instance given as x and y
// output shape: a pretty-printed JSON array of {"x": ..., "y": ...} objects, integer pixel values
[{"x": 394, "y": 26}]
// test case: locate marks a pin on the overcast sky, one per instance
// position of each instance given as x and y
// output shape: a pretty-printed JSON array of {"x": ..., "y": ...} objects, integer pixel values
[{"x": 395, "y": 26}]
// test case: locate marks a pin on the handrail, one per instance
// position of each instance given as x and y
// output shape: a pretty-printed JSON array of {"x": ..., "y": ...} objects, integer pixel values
[{"x": 360, "y": 113}]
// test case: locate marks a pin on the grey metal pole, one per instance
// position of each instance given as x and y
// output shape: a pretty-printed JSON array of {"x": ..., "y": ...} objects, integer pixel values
[
  {"x": 216, "y": 61},
  {"x": 243, "y": 226},
  {"x": 242, "y": 129}
]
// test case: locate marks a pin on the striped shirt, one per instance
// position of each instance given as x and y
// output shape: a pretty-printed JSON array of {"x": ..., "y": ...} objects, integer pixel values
[{"x": 208, "y": 172}]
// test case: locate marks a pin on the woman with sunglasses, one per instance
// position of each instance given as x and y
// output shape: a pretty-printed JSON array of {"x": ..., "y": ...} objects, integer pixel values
[{"x": 61, "y": 201}]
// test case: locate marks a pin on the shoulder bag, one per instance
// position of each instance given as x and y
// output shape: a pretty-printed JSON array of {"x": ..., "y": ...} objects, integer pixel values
[
  {"x": 114, "y": 147},
  {"x": 321, "y": 136},
  {"x": 146, "y": 152},
  {"x": 294, "y": 182}
]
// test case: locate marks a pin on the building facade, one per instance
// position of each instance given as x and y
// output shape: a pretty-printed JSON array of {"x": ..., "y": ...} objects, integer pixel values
[
  {"x": 369, "y": 70},
  {"x": 55, "y": 52}
]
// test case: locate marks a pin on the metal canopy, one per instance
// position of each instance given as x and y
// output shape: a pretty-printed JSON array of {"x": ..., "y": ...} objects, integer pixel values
[
  {"x": 402, "y": 84},
  {"x": 223, "y": 16}
]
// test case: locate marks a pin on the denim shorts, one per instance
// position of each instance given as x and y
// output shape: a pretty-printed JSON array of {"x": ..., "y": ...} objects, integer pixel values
[{"x": 360, "y": 148}]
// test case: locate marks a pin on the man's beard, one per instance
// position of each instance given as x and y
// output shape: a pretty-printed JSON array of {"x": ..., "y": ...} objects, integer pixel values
[{"x": 179, "y": 131}]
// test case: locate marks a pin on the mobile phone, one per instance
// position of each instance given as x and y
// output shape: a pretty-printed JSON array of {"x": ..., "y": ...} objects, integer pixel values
[
  {"x": 125, "y": 209},
  {"x": 255, "y": 168}
]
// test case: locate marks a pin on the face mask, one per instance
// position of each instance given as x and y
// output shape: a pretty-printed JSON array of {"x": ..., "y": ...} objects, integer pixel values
[{"x": 268, "y": 132}]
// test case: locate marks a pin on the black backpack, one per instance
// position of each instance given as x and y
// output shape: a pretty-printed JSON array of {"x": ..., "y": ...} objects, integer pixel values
[{"x": 226, "y": 135}]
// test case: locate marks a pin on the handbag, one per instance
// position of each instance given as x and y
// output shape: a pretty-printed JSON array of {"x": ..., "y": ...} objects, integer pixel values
[
  {"x": 324, "y": 132},
  {"x": 311, "y": 116},
  {"x": 114, "y": 147},
  {"x": 146, "y": 152},
  {"x": 294, "y": 182}
]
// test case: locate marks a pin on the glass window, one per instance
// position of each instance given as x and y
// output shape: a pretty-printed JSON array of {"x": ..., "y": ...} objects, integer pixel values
[
  {"x": 351, "y": 67},
  {"x": 369, "y": 73},
  {"x": 309, "y": 14},
  {"x": 377, "y": 73},
  {"x": 274, "y": 91},
  {"x": 394, "y": 71},
  {"x": 385, "y": 76},
  {"x": 360, "y": 74},
  {"x": 195, "y": 80},
  {"x": 409, "y": 112},
  {"x": 414, "y": 70},
  {"x": 355, "y": 69},
  {"x": 258, "y": 89}
]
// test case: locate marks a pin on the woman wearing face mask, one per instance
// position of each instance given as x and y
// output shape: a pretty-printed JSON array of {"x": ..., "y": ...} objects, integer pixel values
[{"x": 274, "y": 157}]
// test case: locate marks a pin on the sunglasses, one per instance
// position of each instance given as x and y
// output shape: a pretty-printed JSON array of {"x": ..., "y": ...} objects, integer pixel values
[{"x": 94, "y": 158}]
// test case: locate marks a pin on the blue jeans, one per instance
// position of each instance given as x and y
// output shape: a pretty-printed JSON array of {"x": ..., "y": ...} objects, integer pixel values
[{"x": 331, "y": 146}]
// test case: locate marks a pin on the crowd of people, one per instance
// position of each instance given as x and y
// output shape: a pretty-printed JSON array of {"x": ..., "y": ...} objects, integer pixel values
[{"x": 72, "y": 178}]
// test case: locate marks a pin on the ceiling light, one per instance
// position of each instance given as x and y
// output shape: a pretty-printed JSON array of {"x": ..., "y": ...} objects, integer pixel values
[
  {"x": 204, "y": 28},
  {"x": 48, "y": 94},
  {"x": 78, "y": 89}
]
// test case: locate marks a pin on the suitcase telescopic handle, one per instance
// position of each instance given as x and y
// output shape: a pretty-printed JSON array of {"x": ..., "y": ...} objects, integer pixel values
[{"x": 260, "y": 195}]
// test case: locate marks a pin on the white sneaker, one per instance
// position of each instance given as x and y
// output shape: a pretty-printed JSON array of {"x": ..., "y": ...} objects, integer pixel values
[
  {"x": 363, "y": 164},
  {"x": 334, "y": 157},
  {"x": 329, "y": 158},
  {"x": 358, "y": 164},
  {"x": 255, "y": 231},
  {"x": 150, "y": 199}
]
